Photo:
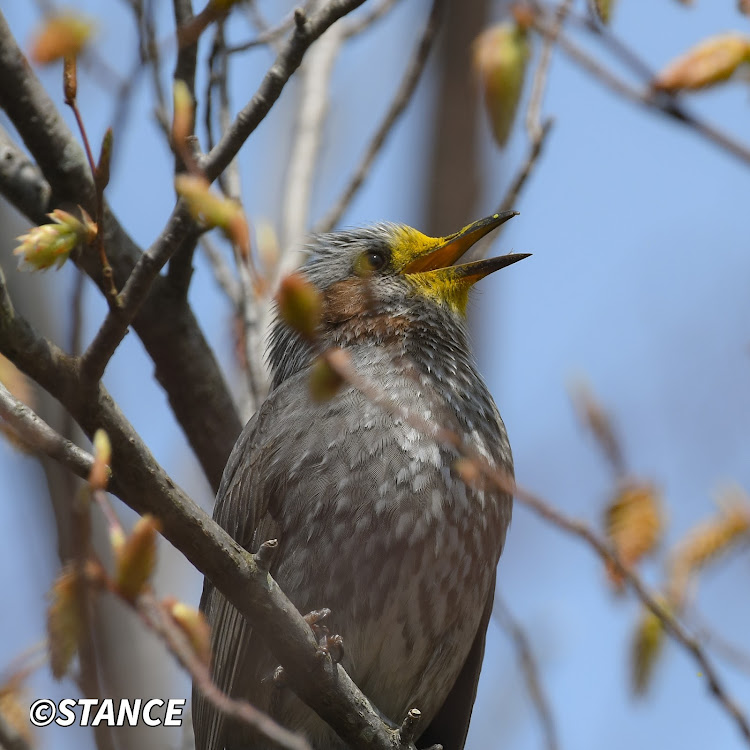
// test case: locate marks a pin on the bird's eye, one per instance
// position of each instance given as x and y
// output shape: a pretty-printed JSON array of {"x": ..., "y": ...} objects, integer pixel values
[{"x": 370, "y": 262}]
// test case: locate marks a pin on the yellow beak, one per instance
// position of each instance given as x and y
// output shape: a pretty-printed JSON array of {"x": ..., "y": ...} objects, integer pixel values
[
  {"x": 434, "y": 274},
  {"x": 451, "y": 248}
]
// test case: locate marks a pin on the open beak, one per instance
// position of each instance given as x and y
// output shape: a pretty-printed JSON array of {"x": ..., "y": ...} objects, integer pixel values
[{"x": 453, "y": 247}]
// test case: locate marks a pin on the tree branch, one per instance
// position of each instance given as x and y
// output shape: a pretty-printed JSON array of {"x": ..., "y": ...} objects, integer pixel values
[
  {"x": 40, "y": 437},
  {"x": 143, "y": 485},
  {"x": 530, "y": 670},
  {"x": 340, "y": 362},
  {"x": 289, "y": 59},
  {"x": 666, "y": 104},
  {"x": 185, "y": 364}
]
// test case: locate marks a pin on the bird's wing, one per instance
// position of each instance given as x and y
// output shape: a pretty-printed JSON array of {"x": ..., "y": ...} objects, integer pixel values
[
  {"x": 240, "y": 506},
  {"x": 451, "y": 723}
]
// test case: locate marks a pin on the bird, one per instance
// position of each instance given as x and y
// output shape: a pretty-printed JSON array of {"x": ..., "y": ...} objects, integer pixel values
[{"x": 373, "y": 518}]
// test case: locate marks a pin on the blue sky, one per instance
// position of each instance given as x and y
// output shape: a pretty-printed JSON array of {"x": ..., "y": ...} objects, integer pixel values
[{"x": 638, "y": 283}]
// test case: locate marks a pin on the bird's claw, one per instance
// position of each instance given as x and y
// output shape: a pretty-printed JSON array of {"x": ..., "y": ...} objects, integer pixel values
[{"x": 328, "y": 644}]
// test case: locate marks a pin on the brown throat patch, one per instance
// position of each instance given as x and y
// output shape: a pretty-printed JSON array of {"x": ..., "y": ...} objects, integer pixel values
[{"x": 349, "y": 306}]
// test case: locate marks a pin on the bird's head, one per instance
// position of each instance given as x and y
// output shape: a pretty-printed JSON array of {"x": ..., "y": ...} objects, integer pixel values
[{"x": 377, "y": 281}]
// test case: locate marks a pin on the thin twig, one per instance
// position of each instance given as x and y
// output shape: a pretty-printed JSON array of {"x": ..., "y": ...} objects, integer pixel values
[
  {"x": 249, "y": 302},
  {"x": 534, "y": 111},
  {"x": 306, "y": 31},
  {"x": 671, "y": 624},
  {"x": 267, "y": 36},
  {"x": 731, "y": 653},
  {"x": 530, "y": 670},
  {"x": 109, "y": 282},
  {"x": 524, "y": 172},
  {"x": 153, "y": 615},
  {"x": 311, "y": 117},
  {"x": 151, "y": 53},
  {"x": 513, "y": 192},
  {"x": 613, "y": 44},
  {"x": 666, "y": 104},
  {"x": 221, "y": 270},
  {"x": 358, "y": 25},
  {"x": 402, "y": 98},
  {"x": 142, "y": 483},
  {"x": 136, "y": 289},
  {"x": 340, "y": 361}
]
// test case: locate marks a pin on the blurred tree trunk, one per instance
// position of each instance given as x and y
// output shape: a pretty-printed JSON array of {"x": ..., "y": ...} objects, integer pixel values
[{"x": 453, "y": 178}]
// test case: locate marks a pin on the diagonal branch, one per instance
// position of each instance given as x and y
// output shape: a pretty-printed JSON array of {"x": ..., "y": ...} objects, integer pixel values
[
  {"x": 286, "y": 63},
  {"x": 340, "y": 362},
  {"x": 185, "y": 364},
  {"x": 143, "y": 485},
  {"x": 530, "y": 670},
  {"x": 39, "y": 436},
  {"x": 665, "y": 104}
]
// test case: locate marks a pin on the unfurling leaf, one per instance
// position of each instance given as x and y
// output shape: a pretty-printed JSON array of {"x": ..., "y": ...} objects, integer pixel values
[
  {"x": 14, "y": 710},
  {"x": 647, "y": 645},
  {"x": 501, "y": 55},
  {"x": 710, "y": 62},
  {"x": 51, "y": 244},
  {"x": 20, "y": 387},
  {"x": 603, "y": 9},
  {"x": 633, "y": 524},
  {"x": 708, "y": 541},
  {"x": 268, "y": 244},
  {"x": 194, "y": 625},
  {"x": 299, "y": 305},
  {"x": 105, "y": 158},
  {"x": 63, "y": 622},
  {"x": 136, "y": 558},
  {"x": 184, "y": 108},
  {"x": 325, "y": 381},
  {"x": 99, "y": 474},
  {"x": 63, "y": 35},
  {"x": 211, "y": 209}
]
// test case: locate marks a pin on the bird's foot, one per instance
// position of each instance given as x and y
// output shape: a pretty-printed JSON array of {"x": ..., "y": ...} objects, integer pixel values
[{"x": 328, "y": 644}]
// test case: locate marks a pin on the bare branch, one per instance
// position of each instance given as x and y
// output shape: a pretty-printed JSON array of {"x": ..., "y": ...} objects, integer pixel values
[
  {"x": 21, "y": 181},
  {"x": 398, "y": 105},
  {"x": 534, "y": 111},
  {"x": 666, "y": 104},
  {"x": 530, "y": 670},
  {"x": 135, "y": 291},
  {"x": 185, "y": 364},
  {"x": 339, "y": 360},
  {"x": 269, "y": 35},
  {"x": 186, "y": 53},
  {"x": 513, "y": 192},
  {"x": 221, "y": 270},
  {"x": 143, "y": 485},
  {"x": 156, "y": 619},
  {"x": 286, "y": 63},
  {"x": 315, "y": 76},
  {"x": 40, "y": 437},
  {"x": 358, "y": 25}
]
